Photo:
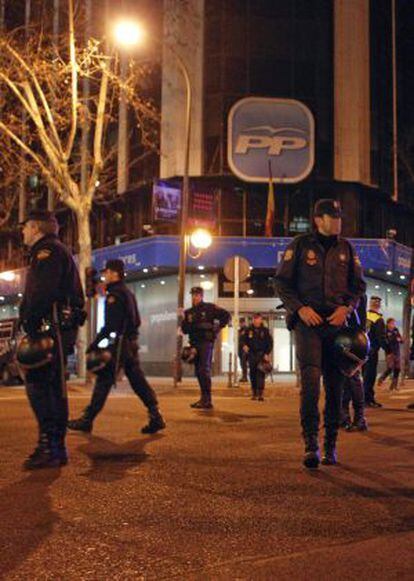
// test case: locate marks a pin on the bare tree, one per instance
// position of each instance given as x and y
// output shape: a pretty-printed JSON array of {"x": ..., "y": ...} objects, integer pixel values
[{"x": 43, "y": 77}]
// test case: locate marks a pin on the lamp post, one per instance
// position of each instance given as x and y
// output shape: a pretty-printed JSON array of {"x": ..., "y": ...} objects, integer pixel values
[{"x": 129, "y": 33}]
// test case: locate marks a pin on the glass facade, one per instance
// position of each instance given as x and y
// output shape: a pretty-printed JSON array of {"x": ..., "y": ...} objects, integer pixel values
[{"x": 270, "y": 48}]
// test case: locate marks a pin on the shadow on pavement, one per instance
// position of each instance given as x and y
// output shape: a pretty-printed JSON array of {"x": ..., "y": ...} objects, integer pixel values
[
  {"x": 26, "y": 516},
  {"x": 111, "y": 461},
  {"x": 229, "y": 417},
  {"x": 390, "y": 441},
  {"x": 398, "y": 499}
]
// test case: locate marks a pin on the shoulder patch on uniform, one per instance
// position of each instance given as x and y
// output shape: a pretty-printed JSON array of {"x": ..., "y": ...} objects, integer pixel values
[
  {"x": 288, "y": 255},
  {"x": 111, "y": 299},
  {"x": 43, "y": 254}
]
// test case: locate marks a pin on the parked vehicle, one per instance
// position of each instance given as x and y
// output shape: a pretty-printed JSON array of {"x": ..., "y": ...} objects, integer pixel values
[{"x": 9, "y": 336}]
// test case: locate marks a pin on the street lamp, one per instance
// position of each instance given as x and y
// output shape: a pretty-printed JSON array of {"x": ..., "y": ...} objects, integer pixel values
[
  {"x": 201, "y": 239},
  {"x": 128, "y": 37},
  {"x": 128, "y": 33}
]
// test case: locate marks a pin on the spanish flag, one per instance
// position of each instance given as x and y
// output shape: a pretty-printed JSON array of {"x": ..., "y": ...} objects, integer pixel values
[{"x": 270, "y": 214}]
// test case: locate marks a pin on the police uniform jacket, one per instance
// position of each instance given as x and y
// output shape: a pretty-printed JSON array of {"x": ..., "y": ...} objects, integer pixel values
[
  {"x": 376, "y": 330},
  {"x": 52, "y": 277},
  {"x": 258, "y": 340},
  {"x": 323, "y": 279},
  {"x": 203, "y": 322},
  {"x": 393, "y": 341},
  {"x": 242, "y": 332},
  {"x": 121, "y": 314}
]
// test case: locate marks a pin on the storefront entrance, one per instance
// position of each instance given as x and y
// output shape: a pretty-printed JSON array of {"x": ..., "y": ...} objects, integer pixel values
[{"x": 283, "y": 349}]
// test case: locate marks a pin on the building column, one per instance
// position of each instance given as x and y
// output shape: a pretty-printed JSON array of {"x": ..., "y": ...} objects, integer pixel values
[
  {"x": 183, "y": 30},
  {"x": 352, "y": 91}
]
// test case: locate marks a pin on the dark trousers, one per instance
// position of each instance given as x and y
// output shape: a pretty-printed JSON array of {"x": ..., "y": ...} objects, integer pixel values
[
  {"x": 106, "y": 379},
  {"x": 244, "y": 364},
  {"x": 203, "y": 362},
  {"x": 353, "y": 391},
  {"x": 370, "y": 375},
  {"x": 314, "y": 355},
  {"x": 393, "y": 367},
  {"x": 257, "y": 377},
  {"x": 48, "y": 399}
]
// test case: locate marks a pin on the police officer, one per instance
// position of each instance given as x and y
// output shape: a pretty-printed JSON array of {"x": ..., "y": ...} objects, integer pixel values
[
  {"x": 53, "y": 298},
  {"x": 376, "y": 334},
  {"x": 243, "y": 357},
  {"x": 257, "y": 343},
  {"x": 320, "y": 283},
  {"x": 202, "y": 322},
  {"x": 122, "y": 322}
]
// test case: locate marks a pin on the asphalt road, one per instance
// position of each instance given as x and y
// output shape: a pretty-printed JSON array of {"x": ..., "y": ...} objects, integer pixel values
[{"x": 218, "y": 495}]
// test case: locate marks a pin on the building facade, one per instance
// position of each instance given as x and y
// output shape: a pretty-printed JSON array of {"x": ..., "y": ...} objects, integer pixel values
[{"x": 332, "y": 55}]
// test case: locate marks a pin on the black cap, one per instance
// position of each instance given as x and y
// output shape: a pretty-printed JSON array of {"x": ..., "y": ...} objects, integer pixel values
[
  {"x": 196, "y": 290},
  {"x": 328, "y": 206},
  {"x": 116, "y": 265},
  {"x": 40, "y": 216},
  {"x": 256, "y": 315}
]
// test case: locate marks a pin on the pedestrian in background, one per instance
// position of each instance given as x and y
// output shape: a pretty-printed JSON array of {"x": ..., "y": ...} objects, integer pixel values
[
  {"x": 393, "y": 341},
  {"x": 376, "y": 333}
]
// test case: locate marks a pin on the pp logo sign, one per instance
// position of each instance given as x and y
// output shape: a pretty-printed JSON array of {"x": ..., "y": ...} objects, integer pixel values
[{"x": 279, "y": 130}]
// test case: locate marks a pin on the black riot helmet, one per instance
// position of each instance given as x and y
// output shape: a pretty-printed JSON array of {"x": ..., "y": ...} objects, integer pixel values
[
  {"x": 350, "y": 350},
  {"x": 188, "y": 354},
  {"x": 97, "y": 359},
  {"x": 35, "y": 352},
  {"x": 265, "y": 367}
]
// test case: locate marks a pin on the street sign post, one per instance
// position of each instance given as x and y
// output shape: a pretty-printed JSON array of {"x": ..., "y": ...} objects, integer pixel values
[{"x": 236, "y": 269}]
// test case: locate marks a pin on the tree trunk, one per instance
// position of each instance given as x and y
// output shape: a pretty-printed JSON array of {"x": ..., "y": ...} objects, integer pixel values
[{"x": 85, "y": 260}]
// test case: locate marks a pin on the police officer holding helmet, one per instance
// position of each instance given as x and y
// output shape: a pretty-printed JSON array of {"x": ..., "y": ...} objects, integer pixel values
[
  {"x": 120, "y": 337},
  {"x": 257, "y": 343},
  {"x": 202, "y": 322},
  {"x": 50, "y": 313},
  {"x": 320, "y": 283}
]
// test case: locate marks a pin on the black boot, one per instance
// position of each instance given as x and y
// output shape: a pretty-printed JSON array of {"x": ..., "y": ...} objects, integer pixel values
[
  {"x": 45, "y": 455},
  {"x": 60, "y": 450},
  {"x": 202, "y": 404},
  {"x": 311, "y": 458},
  {"x": 329, "y": 458},
  {"x": 360, "y": 425},
  {"x": 155, "y": 424},
  {"x": 82, "y": 424}
]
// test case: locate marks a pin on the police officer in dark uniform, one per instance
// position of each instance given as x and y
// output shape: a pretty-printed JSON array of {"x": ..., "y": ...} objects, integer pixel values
[
  {"x": 122, "y": 321},
  {"x": 202, "y": 322},
  {"x": 320, "y": 283},
  {"x": 53, "y": 300},
  {"x": 243, "y": 357},
  {"x": 257, "y": 343},
  {"x": 376, "y": 334}
]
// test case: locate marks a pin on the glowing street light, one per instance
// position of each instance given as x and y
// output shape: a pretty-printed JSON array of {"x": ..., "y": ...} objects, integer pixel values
[
  {"x": 201, "y": 239},
  {"x": 128, "y": 33}
]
